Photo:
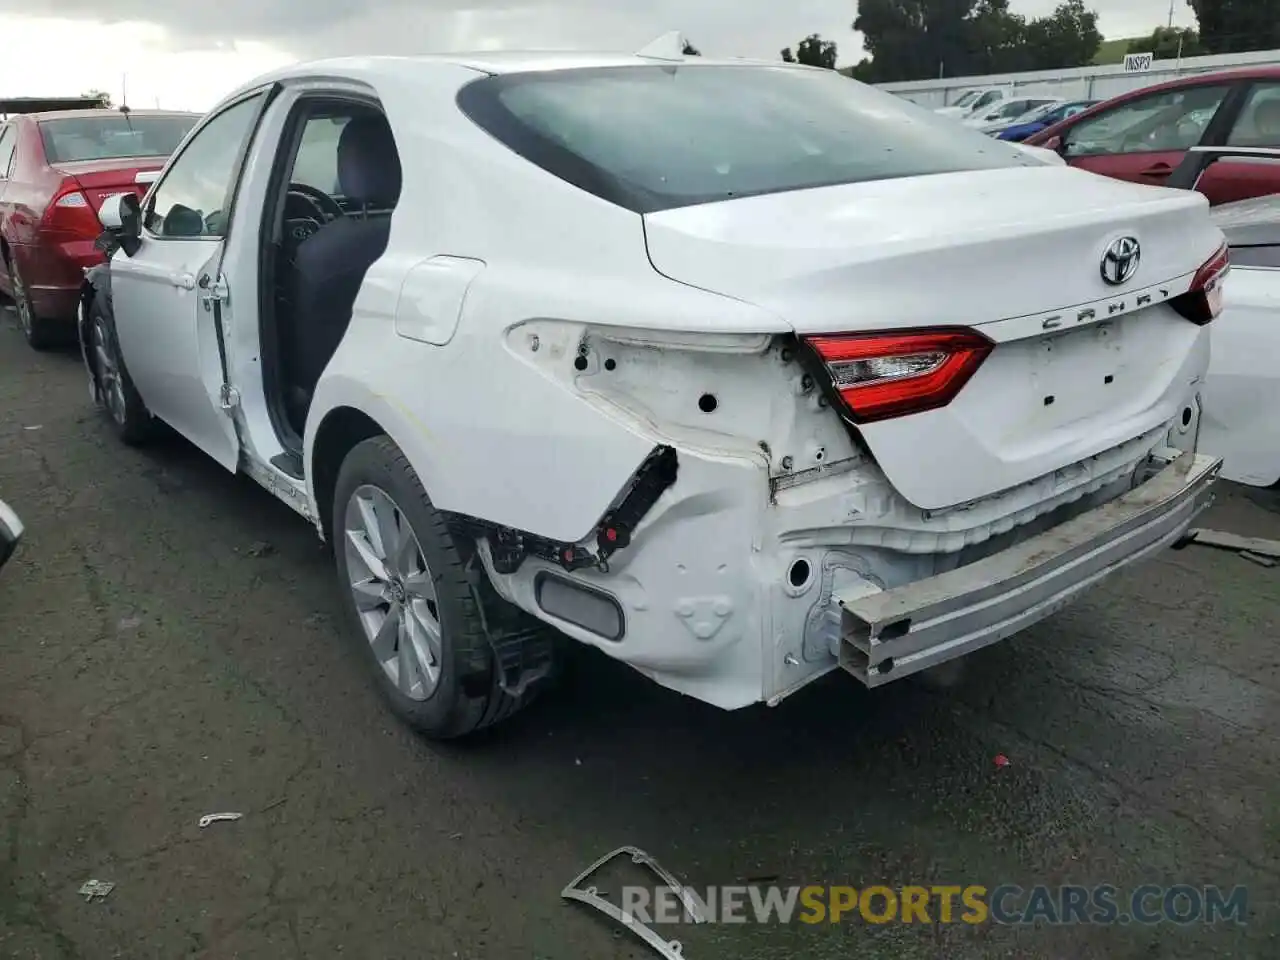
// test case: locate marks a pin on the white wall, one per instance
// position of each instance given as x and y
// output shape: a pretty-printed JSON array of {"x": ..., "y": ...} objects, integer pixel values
[{"x": 1085, "y": 83}]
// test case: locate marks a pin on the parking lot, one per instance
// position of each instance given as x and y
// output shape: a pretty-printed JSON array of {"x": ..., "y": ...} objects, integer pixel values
[{"x": 168, "y": 649}]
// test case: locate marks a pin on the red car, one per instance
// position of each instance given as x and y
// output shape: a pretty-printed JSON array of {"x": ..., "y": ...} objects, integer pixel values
[
  {"x": 1143, "y": 135},
  {"x": 55, "y": 171}
]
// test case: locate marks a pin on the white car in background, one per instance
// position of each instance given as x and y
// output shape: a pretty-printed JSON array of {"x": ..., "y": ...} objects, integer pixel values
[
  {"x": 1242, "y": 391},
  {"x": 977, "y": 98},
  {"x": 1008, "y": 112},
  {"x": 741, "y": 373}
]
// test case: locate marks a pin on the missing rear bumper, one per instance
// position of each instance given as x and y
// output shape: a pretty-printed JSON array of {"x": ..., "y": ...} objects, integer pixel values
[{"x": 895, "y": 633}]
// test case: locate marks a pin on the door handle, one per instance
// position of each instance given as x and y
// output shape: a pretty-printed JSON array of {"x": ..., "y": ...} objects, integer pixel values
[
  {"x": 1158, "y": 170},
  {"x": 183, "y": 281}
]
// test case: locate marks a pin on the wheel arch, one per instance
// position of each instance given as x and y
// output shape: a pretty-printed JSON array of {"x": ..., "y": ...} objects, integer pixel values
[
  {"x": 96, "y": 280},
  {"x": 338, "y": 432}
]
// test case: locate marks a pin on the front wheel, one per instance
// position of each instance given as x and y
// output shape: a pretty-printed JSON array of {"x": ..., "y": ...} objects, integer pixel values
[
  {"x": 409, "y": 599},
  {"x": 112, "y": 387}
]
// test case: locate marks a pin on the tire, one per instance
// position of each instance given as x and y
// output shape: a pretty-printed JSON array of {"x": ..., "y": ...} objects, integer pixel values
[
  {"x": 40, "y": 333},
  {"x": 116, "y": 395},
  {"x": 450, "y": 688}
]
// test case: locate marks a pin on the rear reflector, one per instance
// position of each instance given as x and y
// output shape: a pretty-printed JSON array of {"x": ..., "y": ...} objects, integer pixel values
[
  {"x": 1203, "y": 302},
  {"x": 885, "y": 375}
]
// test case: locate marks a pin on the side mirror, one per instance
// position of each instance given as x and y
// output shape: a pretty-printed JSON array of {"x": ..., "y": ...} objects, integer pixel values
[{"x": 121, "y": 217}]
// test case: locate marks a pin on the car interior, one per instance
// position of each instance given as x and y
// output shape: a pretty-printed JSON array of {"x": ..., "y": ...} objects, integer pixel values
[
  {"x": 335, "y": 187},
  {"x": 1173, "y": 121}
]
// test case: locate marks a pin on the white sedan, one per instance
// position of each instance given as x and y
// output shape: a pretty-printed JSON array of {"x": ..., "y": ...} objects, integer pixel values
[
  {"x": 1242, "y": 392},
  {"x": 741, "y": 373}
]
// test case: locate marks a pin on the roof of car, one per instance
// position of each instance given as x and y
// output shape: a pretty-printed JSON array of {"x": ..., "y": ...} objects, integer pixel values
[
  {"x": 105, "y": 112},
  {"x": 504, "y": 61},
  {"x": 490, "y": 62}
]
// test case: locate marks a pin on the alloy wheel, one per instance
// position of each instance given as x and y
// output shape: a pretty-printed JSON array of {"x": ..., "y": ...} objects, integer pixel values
[
  {"x": 20, "y": 301},
  {"x": 394, "y": 592},
  {"x": 110, "y": 384}
]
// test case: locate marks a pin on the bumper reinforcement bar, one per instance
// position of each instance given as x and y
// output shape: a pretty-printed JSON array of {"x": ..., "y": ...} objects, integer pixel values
[{"x": 891, "y": 634}]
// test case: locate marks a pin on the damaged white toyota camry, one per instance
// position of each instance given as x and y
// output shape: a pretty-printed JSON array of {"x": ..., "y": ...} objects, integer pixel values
[{"x": 739, "y": 372}]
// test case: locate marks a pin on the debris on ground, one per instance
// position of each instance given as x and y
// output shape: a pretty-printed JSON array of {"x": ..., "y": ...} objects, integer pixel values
[
  {"x": 1257, "y": 546},
  {"x": 1001, "y": 760},
  {"x": 96, "y": 890},
  {"x": 129, "y": 623},
  {"x": 209, "y": 818},
  {"x": 594, "y": 897},
  {"x": 260, "y": 549},
  {"x": 1257, "y": 558}
]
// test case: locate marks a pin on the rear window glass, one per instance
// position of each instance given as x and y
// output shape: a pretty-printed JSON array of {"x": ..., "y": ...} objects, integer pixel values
[
  {"x": 110, "y": 138},
  {"x": 656, "y": 137}
]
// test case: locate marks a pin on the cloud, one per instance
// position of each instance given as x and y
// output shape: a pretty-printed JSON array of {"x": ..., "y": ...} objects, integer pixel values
[{"x": 311, "y": 28}]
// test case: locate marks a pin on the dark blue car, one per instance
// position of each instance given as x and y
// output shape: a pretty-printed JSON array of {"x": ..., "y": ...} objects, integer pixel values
[{"x": 1050, "y": 116}]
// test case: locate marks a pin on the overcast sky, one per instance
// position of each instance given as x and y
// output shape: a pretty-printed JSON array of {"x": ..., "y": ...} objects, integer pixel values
[{"x": 187, "y": 53}]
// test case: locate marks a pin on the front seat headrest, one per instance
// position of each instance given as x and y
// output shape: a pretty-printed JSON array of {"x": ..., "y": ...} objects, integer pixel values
[{"x": 368, "y": 162}]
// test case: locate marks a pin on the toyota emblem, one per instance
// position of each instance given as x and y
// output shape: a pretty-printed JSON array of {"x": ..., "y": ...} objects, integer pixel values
[{"x": 1120, "y": 262}]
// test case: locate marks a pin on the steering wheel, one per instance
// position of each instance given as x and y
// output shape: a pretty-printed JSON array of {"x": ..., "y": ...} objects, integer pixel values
[{"x": 324, "y": 205}]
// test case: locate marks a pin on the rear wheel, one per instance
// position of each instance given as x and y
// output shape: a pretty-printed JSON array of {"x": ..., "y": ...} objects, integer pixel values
[
  {"x": 409, "y": 599},
  {"x": 120, "y": 402},
  {"x": 39, "y": 333}
]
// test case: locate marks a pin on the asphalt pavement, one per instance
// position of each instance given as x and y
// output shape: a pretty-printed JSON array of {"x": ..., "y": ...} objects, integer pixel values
[{"x": 168, "y": 649}]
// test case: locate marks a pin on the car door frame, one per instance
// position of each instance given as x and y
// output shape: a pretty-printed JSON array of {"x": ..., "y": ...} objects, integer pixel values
[
  {"x": 218, "y": 436},
  {"x": 1224, "y": 122},
  {"x": 1217, "y": 127}
]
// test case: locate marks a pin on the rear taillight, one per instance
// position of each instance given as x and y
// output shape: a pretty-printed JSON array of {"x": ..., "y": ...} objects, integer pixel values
[
  {"x": 70, "y": 213},
  {"x": 1203, "y": 302},
  {"x": 885, "y": 375}
]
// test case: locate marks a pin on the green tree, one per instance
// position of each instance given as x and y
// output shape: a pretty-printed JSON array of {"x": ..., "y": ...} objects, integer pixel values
[
  {"x": 788, "y": 56},
  {"x": 813, "y": 51},
  {"x": 919, "y": 39},
  {"x": 1234, "y": 26},
  {"x": 1068, "y": 37},
  {"x": 1168, "y": 43},
  {"x": 101, "y": 96},
  {"x": 995, "y": 40},
  {"x": 690, "y": 50}
]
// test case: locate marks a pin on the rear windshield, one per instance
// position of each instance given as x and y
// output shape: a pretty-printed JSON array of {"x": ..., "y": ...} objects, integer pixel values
[
  {"x": 110, "y": 138},
  {"x": 656, "y": 137}
]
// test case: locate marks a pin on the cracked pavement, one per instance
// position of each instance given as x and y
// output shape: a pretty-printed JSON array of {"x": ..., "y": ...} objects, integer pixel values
[{"x": 157, "y": 664}]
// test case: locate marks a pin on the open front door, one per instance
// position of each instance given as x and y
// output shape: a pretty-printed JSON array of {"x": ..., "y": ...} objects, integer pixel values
[
  {"x": 168, "y": 297},
  {"x": 168, "y": 320}
]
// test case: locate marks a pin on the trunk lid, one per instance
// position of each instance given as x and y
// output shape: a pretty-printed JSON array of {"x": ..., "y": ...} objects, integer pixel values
[
  {"x": 100, "y": 179},
  {"x": 1015, "y": 254}
]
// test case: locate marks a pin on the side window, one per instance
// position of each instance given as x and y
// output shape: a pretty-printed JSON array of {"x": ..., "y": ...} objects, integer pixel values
[
  {"x": 986, "y": 100},
  {"x": 193, "y": 197},
  {"x": 8, "y": 141},
  {"x": 1173, "y": 120},
  {"x": 1258, "y": 124}
]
